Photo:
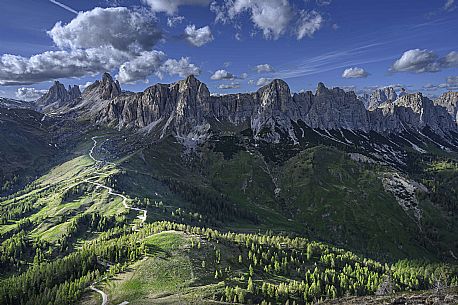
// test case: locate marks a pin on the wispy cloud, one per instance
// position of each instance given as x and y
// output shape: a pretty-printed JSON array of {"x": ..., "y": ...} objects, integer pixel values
[
  {"x": 64, "y": 6},
  {"x": 449, "y": 5},
  {"x": 331, "y": 61}
]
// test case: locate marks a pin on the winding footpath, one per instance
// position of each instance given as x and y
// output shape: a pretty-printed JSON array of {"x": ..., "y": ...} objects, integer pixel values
[
  {"x": 110, "y": 190},
  {"x": 124, "y": 202},
  {"x": 104, "y": 295}
]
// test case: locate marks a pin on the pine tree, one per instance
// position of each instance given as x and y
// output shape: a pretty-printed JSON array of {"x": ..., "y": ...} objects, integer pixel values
[{"x": 250, "y": 286}]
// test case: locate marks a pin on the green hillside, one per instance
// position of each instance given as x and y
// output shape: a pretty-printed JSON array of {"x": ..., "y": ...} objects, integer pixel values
[
  {"x": 26, "y": 148},
  {"x": 319, "y": 192},
  {"x": 306, "y": 226}
]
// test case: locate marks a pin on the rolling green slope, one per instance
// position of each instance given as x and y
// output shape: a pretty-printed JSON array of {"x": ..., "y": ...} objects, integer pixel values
[
  {"x": 308, "y": 223},
  {"x": 319, "y": 192}
]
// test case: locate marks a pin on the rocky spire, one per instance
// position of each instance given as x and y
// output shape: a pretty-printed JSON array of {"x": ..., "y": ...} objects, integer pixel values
[
  {"x": 380, "y": 96},
  {"x": 321, "y": 89},
  {"x": 105, "y": 89},
  {"x": 74, "y": 92},
  {"x": 275, "y": 95},
  {"x": 57, "y": 96}
]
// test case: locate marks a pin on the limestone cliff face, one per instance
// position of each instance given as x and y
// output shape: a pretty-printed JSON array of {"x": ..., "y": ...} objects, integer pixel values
[
  {"x": 185, "y": 102},
  {"x": 380, "y": 96},
  {"x": 412, "y": 111},
  {"x": 105, "y": 89},
  {"x": 185, "y": 106},
  {"x": 187, "y": 110},
  {"x": 336, "y": 109},
  {"x": 449, "y": 100}
]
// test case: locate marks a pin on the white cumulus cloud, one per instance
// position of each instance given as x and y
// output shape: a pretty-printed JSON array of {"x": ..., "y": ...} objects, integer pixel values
[
  {"x": 19, "y": 70},
  {"x": 264, "y": 68},
  {"x": 354, "y": 72},
  {"x": 29, "y": 94},
  {"x": 420, "y": 61},
  {"x": 272, "y": 17},
  {"x": 154, "y": 63},
  {"x": 141, "y": 67},
  {"x": 99, "y": 40},
  {"x": 181, "y": 67},
  {"x": 171, "y": 6},
  {"x": 174, "y": 20},
  {"x": 222, "y": 74},
  {"x": 119, "y": 27},
  {"x": 198, "y": 37}
]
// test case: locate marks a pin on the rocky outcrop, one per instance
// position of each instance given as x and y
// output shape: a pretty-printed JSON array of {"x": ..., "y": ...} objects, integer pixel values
[
  {"x": 57, "y": 97},
  {"x": 336, "y": 109},
  {"x": 179, "y": 107},
  {"x": 187, "y": 109},
  {"x": 411, "y": 111},
  {"x": 381, "y": 96},
  {"x": 405, "y": 191},
  {"x": 449, "y": 101},
  {"x": 87, "y": 104},
  {"x": 105, "y": 89}
]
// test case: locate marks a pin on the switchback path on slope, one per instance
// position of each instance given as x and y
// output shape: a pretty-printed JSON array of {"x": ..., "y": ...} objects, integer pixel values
[
  {"x": 110, "y": 189},
  {"x": 111, "y": 192}
]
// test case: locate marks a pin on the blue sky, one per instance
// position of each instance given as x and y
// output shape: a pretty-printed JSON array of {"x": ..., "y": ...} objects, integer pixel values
[{"x": 411, "y": 43}]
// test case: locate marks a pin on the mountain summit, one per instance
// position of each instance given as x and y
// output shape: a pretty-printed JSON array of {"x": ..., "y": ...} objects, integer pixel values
[
  {"x": 188, "y": 110},
  {"x": 57, "y": 96}
]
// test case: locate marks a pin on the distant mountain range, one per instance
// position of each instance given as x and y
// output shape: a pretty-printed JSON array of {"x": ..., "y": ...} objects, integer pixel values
[{"x": 187, "y": 110}]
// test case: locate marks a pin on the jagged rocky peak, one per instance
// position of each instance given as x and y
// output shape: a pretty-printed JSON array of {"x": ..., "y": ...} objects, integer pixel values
[
  {"x": 193, "y": 86},
  {"x": 449, "y": 101},
  {"x": 192, "y": 97},
  {"x": 335, "y": 109},
  {"x": 416, "y": 101},
  {"x": 105, "y": 89},
  {"x": 58, "y": 96},
  {"x": 304, "y": 101},
  {"x": 74, "y": 91},
  {"x": 190, "y": 104},
  {"x": 187, "y": 110},
  {"x": 321, "y": 89},
  {"x": 380, "y": 96},
  {"x": 390, "y": 93},
  {"x": 190, "y": 81},
  {"x": 57, "y": 89},
  {"x": 276, "y": 94},
  {"x": 179, "y": 104},
  {"x": 417, "y": 111}
]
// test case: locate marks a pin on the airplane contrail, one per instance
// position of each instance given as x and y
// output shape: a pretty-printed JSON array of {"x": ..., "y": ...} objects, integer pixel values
[{"x": 64, "y": 6}]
